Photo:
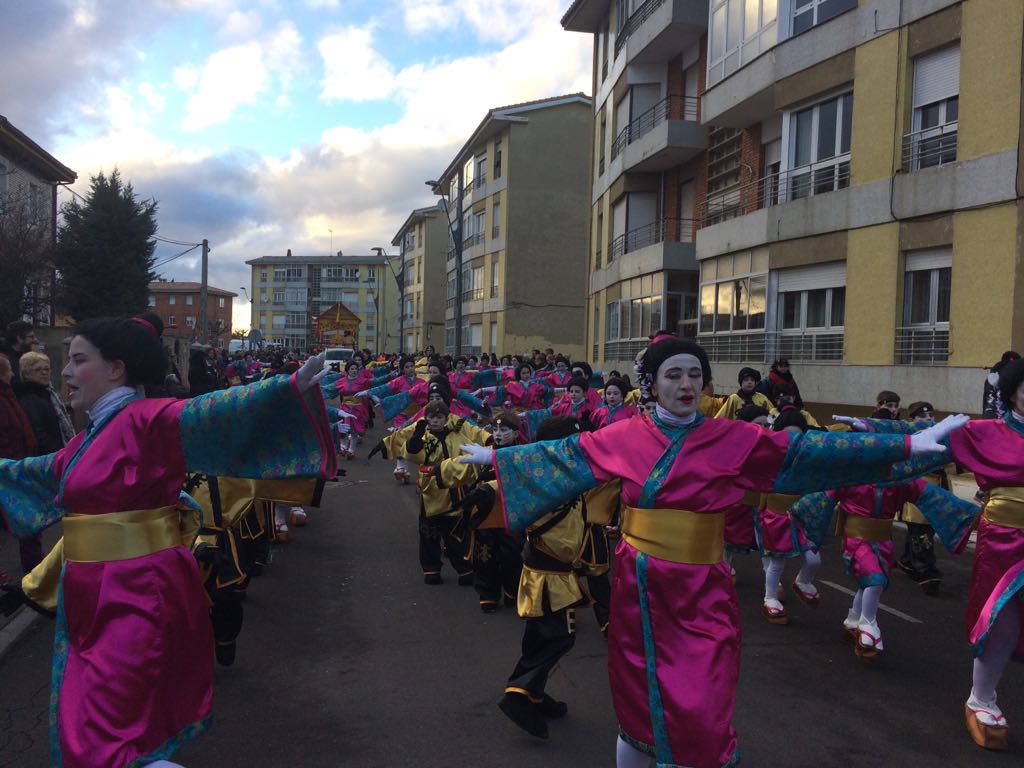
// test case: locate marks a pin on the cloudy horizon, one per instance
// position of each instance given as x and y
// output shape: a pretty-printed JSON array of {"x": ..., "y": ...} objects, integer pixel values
[{"x": 264, "y": 125}]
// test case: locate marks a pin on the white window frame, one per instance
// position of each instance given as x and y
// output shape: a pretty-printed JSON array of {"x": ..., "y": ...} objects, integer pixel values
[
  {"x": 151, "y": 301},
  {"x": 172, "y": 300},
  {"x": 943, "y": 135},
  {"x": 802, "y": 6},
  {"x": 171, "y": 320},
  {"x": 751, "y": 42},
  {"x": 802, "y": 311},
  {"x": 841, "y": 178},
  {"x": 188, "y": 299},
  {"x": 220, "y": 302}
]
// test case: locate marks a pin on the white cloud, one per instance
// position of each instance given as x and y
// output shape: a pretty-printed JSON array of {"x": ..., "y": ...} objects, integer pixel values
[
  {"x": 422, "y": 16},
  {"x": 353, "y": 70},
  {"x": 241, "y": 25},
  {"x": 185, "y": 77},
  {"x": 490, "y": 20},
  {"x": 232, "y": 77},
  {"x": 152, "y": 95}
]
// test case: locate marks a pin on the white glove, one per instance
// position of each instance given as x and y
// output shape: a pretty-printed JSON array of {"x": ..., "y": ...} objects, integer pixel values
[
  {"x": 345, "y": 414},
  {"x": 853, "y": 421},
  {"x": 476, "y": 454},
  {"x": 928, "y": 440},
  {"x": 362, "y": 393},
  {"x": 311, "y": 372}
]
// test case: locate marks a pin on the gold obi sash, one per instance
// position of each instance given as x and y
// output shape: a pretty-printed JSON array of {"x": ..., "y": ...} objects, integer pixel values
[
  {"x": 911, "y": 514},
  {"x": 120, "y": 535},
  {"x": 676, "y": 535},
  {"x": 778, "y": 502},
  {"x": 1005, "y": 506},
  {"x": 867, "y": 528}
]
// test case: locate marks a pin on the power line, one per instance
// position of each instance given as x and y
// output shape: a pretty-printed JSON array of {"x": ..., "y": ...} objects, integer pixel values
[
  {"x": 170, "y": 240},
  {"x": 176, "y": 256}
]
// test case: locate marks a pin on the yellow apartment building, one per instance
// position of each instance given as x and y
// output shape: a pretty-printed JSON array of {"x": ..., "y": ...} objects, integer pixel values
[{"x": 423, "y": 241}]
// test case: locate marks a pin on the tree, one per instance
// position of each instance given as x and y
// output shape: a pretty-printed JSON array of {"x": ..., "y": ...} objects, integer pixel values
[
  {"x": 26, "y": 263},
  {"x": 105, "y": 250}
]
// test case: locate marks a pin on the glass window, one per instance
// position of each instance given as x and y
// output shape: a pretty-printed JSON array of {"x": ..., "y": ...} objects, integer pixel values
[
  {"x": 707, "y": 308},
  {"x": 172, "y": 299},
  {"x": 758, "y": 291},
  {"x": 838, "y": 311},
  {"x": 804, "y": 123},
  {"x": 816, "y": 301},
  {"x": 944, "y": 280},
  {"x": 791, "y": 310},
  {"x": 636, "y": 325},
  {"x": 827, "y": 114},
  {"x": 919, "y": 291},
  {"x": 847, "y": 123},
  {"x": 751, "y": 23},
  {"x": 725, "y": 305},
  {"x": 151, "y": 301},
  {"x": 718, "y": 33},
  {"x": 740, "y": 298}
]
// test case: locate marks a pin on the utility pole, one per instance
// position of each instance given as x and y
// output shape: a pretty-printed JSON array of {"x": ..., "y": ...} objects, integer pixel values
[{"x": 203, "y": 330}]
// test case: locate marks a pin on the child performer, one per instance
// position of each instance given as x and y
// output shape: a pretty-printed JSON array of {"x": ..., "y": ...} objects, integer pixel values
[
  {"x": 614, "y": 408},
  {"x": 745, "y": 395},
  {"x": 675, "y": 617}
]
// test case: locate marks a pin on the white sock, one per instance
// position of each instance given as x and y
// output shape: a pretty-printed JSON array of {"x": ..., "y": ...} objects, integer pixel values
[
  {"x": 999, "y": 646},
  {"x": 858, "y": 600},
  {"x": 627, "y": 756},
  {"x": 812, "y": 561},
  {"x": 772, "y": 576},
  {"x": 401, "y": 464},
  {"x": 164, "y": 764},
  {"x": 869, "y": 604},
  {"x": 281, "y": 513}
]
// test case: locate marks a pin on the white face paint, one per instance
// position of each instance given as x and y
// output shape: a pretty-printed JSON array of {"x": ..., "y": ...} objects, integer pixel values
[
  {"x": 678, "y": 384},
  {"x": 504, "y": 435}
]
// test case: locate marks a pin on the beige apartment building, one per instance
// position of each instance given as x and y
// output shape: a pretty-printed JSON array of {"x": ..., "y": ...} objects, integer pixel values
[
  {"x": 858, "y": 210},
  {"x": 289, "y": 292},
  {"x": 423, "y": 240},
  {"x": 516, "y": 197}
]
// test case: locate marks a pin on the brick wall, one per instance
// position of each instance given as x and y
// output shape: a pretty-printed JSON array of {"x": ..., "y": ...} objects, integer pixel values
[{"x": 180, "y": 310}]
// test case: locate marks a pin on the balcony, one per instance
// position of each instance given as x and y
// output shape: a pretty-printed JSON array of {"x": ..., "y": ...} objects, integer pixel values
[
  {"x": 666, "y": 135},
  {"x": 930, "y": 147},
  {"x": 808, "y": 346},
  {"x": 674, "y": 230},
  {"x": 922, "y": 345},
  {"x": 663, "y": 244},
  {"x": 660, "y": 29}
]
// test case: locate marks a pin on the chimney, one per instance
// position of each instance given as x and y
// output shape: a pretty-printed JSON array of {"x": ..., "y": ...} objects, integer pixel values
[{"x": 289, "y": 254}]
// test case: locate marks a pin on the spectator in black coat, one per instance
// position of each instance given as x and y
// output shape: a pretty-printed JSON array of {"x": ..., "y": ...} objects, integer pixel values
[
  {"x": 50, "y": 422},
  {"x": 17, "y": 441}
]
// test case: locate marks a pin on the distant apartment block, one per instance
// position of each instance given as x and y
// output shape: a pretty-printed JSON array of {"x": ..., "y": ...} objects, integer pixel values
[{"x": 423, "y": 240}]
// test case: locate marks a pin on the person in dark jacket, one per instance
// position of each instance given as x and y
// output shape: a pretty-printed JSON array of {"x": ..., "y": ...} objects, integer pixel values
[
  {"x": 201, "y": 377},
  {"x": 39, "y": 401},
  {"x": 780, "y": 378},
  {"x": 18, "y": 339},
  {"x": 17, "y": 441}
]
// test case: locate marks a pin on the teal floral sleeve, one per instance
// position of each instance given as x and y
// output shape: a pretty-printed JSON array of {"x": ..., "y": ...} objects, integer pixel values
[
  {"x": 814, "y": 514},
  {"x": 950, "y": 516},
  {"x": 28, "y": 491},
  {"x": 817, "y": 461}
]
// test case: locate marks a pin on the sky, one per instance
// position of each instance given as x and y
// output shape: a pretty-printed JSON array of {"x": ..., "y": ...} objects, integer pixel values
[{"x": 270, "y": 124}]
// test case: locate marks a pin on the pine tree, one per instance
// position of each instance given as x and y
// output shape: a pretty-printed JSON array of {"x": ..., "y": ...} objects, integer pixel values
[{"x": 105, "y": 250}]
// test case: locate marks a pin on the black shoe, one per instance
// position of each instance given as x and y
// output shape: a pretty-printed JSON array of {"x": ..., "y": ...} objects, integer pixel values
[
  {"x": 930, "y": 582},
  {"x": 524, "y": 713},
  {"x": 550, "y": 707},
  {"x": 489, "y": 607},
  {"x": 906, "y": 566},
  {"x": 225, "y": 653},
  {"x": 432, "y": 579},
  {"x": 466, "y": 579},
  {"x": 510, "y": 602}
]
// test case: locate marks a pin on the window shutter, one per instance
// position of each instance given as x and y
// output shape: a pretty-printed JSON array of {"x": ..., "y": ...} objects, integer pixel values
[
  {"x": 937, "y": 75},
  {"x": 831, "y": 275},
  {"x": 930, "y": 258}
]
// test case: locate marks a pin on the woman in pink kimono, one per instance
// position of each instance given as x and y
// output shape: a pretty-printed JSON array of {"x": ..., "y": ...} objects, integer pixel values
[
  {"x": 132, "y": 668},
  {"x": 674, "y": 639},
  {"x": 356, "y": 378},
  {"x": 614, "y": 408}
]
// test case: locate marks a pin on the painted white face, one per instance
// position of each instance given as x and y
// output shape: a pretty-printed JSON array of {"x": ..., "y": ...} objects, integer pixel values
[
  {"x": 612, "y": 396},
  {"x": 678, "y": 384},
  {"x": 504, "y": 435},
  {"x": 1017, "y": 400}
]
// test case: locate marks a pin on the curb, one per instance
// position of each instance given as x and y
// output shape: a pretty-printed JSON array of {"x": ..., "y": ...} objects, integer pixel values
[{"x": 15, "y": 628}]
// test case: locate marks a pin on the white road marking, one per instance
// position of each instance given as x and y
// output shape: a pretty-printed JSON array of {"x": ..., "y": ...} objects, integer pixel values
[{"x": 885, "y": 608}]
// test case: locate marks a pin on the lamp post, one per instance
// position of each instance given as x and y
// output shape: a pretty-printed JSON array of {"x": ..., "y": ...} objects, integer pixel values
[{"x": 456, "y": 232}]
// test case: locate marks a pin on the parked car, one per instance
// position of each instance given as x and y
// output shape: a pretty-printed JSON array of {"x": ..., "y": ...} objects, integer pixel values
[{"x": 338, "y": 356}]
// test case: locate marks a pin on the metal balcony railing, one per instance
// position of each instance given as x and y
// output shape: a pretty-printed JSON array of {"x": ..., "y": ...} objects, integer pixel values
[
  {"x": 922, "y": 345},
  {"x": 775, "y": 188},
  {"x": 495, "y": 231},
  {"x": 640, "y": 15},
  {"x": 930, "y": 147},
  {"x": 818, "y": 346},
  {"x": 669, "y": 108},
  {"x": 671, "y": 230},
  {"x": 624, "y": 350},
  {"x": 475, "y": 239}
]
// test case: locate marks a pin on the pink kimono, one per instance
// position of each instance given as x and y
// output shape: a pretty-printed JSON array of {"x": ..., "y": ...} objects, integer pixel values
[
  {"x": 357, "y": 406},
  {"x": 674, "y": 634},
  {"x": 607, "y": 415}
]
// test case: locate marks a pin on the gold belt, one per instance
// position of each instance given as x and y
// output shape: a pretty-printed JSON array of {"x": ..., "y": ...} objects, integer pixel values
[
  {"x": 867, "y": 528},
  {"x": 120, "y": 535},
  {"x": 1005, "y": 506},
  {"x": 676, "y": 535},
  {"x": 911, "y": 514},
  {"x": 779, "y": 502}
]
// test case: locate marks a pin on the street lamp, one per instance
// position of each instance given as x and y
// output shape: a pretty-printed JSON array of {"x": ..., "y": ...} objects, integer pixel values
[{"x": 456, "y": 232}]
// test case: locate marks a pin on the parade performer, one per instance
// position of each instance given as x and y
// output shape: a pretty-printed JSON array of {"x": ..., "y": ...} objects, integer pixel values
[
  {"x": 132, "y": 671},
  {"x": 675, "y": 617},
  {"x": 356, "y": 378},
  {"x": 615, "y": 407},
  {"x": 401, "y": 383},
  {"x": 749, "y": 378}
]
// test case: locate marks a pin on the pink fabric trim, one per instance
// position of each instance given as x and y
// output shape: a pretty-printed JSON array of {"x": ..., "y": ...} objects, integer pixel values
[
  {"x": 981, "y": 626},
  {"x": 329, "y": 462},
  {"x": 149, "y": 326}
]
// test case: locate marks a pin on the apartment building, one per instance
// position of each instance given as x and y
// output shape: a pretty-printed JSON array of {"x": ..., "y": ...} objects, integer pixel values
[
  {"x": 646, "y": 169},
  {"x": 290, "y": 292},
  {"x": 29, "y": 178},
  {"x": 423, "y": 240},
  {"x": 516, "y": 198},
  {"x": 177, "y": 304},
  {"x": 848, "y": 214}
]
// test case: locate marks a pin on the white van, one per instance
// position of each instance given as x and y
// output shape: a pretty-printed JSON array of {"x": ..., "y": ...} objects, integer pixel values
[{"x": 337, "y": 357}]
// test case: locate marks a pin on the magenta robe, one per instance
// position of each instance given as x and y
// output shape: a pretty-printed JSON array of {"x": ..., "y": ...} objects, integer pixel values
[
  {"x": 605, "y": 415},
  {"x": 674, "y": 634},
  {"x": 357, "y": 406}
]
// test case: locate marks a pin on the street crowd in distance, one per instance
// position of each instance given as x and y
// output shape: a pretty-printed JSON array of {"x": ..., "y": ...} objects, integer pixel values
[{"x": 546, "y": 486}]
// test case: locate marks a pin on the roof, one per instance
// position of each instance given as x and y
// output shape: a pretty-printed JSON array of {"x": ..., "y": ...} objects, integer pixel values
[
  {"x": 338, "y": 261},
  {"x": 585, "y": 15},
  {"x": 22, "y": 148},
  {"x": 170, "y": 286},
  {"x": 414, "y": 218},
  {"x": 498, "y": 117}
]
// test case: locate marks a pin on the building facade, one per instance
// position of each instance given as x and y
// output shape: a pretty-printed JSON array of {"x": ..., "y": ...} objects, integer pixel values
[
  {"x": 29, "y": 178},
  {"x": 289, "y": 292},
  {"x": 850, "y": 216},
  {"x": 177, "y": 304},
  {"x": 423, "y": 239},
  {"x": 516, "y": 197}
]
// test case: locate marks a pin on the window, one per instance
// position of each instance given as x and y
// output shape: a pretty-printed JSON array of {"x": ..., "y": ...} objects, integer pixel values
[
  {"x": 35, "y": 207},
  {"x": 741, "y": 30},
  {"x": 279, "y": 295},
  {"x": 733, "y": 293},
  {"x": 151, "y": 301},
  {"x": 188, "y": 300},
  {"x": 172, "y": 321},
  {"x": 478, "y": 227},
  {"x": 598, "y": 239},
  {"x": 495, "y": 220},
  {"x": 811, "y": 309},
  {"x": 495, "y": 272},
  {"x": 172, "y": 299},
  {"x": 220, "y": 303},
  {"x": 371, "y": 274},
  {"x": 723, "y": 200},
  {"x": 480, "y": 172},
  {"x": 477, "y": 283},
  {"x": 332, "y": 273},
  {"x": 4, "y": 173},
  {"x": 350, "y": 274},
  {"x": 292, "y": 273},
  {"x": 190, "y": 321},
  {"x": 927, "y": 285},
  {"x": 467, "y": 174},
  {"x": 263, "y": 321},
  {"x": 819, "y": 146},
  {"x": 263, "y": 275},
  {"x": 279, "y": 274},
  {"x": 410, "y": 241},
  {"x": 933, "y": 140},
  {"x": 295, "y": 319},
  {"x": 809, "y": 13},
  {"x": 350, "y": 299},
  {"x": 264, "y": 297}
]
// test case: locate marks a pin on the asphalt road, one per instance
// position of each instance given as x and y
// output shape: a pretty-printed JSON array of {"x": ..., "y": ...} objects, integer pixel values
[{"x": 348, "y": 659}]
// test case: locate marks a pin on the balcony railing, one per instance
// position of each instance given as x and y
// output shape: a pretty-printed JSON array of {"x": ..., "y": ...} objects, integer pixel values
[
  {"x": 672, "y": 230},
  {"x": 930, "y": 147},
  {"x": 818, "y": 346},
  {"x": 476, "y": 182},
  {"x": 922, "y": 345},
  {"x": 669, "y": 108},
  {"x": 640, "y": 15},
  {"x": 775, "y": 188},
  {"x": 495, "y": 231},
  {"x": 470, "y": 240},
  {"x": 624, "y": 350}
]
